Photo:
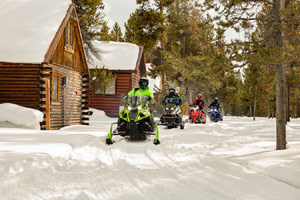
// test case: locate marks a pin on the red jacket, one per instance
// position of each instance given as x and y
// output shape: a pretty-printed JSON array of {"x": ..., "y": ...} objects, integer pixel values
[{"x": 200, "y": 103}]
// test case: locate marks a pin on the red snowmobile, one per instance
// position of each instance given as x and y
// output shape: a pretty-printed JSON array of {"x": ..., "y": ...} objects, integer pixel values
[{"x": 196, "y": 114}]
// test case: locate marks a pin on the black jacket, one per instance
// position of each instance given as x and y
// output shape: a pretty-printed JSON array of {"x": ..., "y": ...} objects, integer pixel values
[{"x": 215, "y": 104}]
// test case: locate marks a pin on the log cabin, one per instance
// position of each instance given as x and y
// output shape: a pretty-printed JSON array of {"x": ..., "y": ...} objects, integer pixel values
[
  {"x": 126, "y": 61},
  {"x": 42, "y": 60}
]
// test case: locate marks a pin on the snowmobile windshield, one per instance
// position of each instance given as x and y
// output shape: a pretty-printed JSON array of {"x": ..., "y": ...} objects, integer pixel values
[
  {"x": 137, "y": 101},
  {"x": 214, "y": 109},
  {"x": 170, "y": 107}
]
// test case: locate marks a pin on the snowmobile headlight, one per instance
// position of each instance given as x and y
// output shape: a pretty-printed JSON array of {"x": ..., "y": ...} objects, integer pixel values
[
  {"x": 172, "y": 108},
  {"x": 167, "y": 108},
  {"x": 129, "y": 108},
  {"x": 139, "y": 107}
]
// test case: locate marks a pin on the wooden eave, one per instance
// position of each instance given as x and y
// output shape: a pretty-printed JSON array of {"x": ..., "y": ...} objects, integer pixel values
[
  {"x": 141, "y": 51},
  {"x": 58, "y": 35},
  {"x": 21, "y": 64},
  {"x": 123, "y": 71}
]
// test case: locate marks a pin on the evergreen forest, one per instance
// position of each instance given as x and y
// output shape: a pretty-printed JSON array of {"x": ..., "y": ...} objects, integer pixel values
[{"x": 256, "y": 74}]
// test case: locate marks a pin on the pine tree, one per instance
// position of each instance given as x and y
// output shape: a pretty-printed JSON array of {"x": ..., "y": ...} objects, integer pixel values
[
  {"x": 90, "y": 16},
  {"x": 104, "y": 33},
  {"x": 116, "y": 33},
  {"x": 144, "y": 28}
]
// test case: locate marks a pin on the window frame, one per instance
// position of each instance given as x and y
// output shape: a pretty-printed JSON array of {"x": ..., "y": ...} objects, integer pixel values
[
  {"x": 58, "y": 86},
  {"x": 69, "y": 43},
  {"x": 108, "y": 95}
]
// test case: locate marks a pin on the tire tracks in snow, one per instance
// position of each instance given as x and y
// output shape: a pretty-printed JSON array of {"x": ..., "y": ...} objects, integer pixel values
[{"x": 197, "y": 188}]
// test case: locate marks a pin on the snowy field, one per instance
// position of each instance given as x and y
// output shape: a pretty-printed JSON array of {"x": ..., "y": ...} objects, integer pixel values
[{"x": 233, "y": 159}]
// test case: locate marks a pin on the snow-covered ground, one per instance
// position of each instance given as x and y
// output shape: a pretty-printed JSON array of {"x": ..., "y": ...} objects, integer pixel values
[{"x": 233, "y": 159}]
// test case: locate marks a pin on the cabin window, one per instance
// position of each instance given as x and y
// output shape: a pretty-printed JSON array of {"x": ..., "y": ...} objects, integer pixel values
[
  {"x": 103, "y": 82},
  {"x": 55, "y": 86},
  {"x": 108, "y": 89},
  {"x": 69, "y": 36}
]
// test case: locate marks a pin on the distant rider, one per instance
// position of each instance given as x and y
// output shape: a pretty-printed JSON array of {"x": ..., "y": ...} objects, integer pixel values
[
  {"x": 172, "y": 98},
  {"x": 199, "y": 102},
  {"x": 216, "y": 104}
]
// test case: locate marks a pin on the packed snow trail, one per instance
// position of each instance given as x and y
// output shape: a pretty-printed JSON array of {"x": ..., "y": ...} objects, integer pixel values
[{"x": 233, "y": 159}]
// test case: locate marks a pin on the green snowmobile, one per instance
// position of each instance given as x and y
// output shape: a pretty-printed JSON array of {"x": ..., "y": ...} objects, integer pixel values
[{"x": 135, "y": 120}]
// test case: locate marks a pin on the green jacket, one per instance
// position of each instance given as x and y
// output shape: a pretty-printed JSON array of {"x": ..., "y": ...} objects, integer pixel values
[{"x": 141, "y": 92}]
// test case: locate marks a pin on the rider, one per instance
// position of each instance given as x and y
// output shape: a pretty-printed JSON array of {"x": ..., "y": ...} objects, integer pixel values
[
  {"x": 215, "y": 103},
  {"x": 172, "y": 98},
  {"x": 143, "y": 89},
  {"x": 199, "y": 101}
]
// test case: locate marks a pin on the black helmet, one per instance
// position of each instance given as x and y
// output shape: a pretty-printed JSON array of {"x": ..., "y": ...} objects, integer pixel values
[
  {"x": 143, "y": 83},
  {"x": 172, "y": 90},
  {"x": 216, "y": 99}
]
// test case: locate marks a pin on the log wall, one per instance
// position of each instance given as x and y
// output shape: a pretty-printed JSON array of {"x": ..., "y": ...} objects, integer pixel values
[
  {"x": 20, "y": 84},
  {"x": 110, "y": 104},
  {"x": 68, "y": 111}
]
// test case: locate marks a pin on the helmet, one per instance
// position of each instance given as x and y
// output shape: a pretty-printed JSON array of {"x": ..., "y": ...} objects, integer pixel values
[
  {"x": 199, "y": 96},
  {"x": 216, "y": 99},
  {"x": 143, "y": 83},
  {"x": 172, "y": 90}
]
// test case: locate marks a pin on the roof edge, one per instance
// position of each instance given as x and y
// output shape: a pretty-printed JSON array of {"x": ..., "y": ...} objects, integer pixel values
[
  {"x": 141, "y": 51},
  {"x": 57, "y": 36}
]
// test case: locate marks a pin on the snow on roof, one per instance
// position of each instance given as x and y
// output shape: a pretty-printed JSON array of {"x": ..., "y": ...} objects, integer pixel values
[
  {"x": 28, "y": 28},
  {"x": 153, "y": 83},
  {"x": 115, "y": 56}
]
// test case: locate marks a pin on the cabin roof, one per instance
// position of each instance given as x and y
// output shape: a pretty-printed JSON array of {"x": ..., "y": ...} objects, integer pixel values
[
  {"x": 116, "y": 56},
  {"x": 28, "y": 28}
]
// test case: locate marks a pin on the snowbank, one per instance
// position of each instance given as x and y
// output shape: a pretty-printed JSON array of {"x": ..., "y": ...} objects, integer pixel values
[
  {"x": 12, "y": 115},
  {"x": 98, "y": 115}
]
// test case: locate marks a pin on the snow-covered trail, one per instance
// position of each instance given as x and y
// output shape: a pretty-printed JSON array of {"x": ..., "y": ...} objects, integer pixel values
[{"x": 234, "y": 159}]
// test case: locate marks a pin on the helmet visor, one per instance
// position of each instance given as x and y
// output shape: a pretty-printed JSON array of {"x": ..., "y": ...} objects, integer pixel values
[{"x": 144, "y": 83}]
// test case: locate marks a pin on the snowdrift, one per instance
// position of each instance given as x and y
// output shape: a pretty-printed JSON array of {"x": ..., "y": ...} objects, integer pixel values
[{"x": 15, "y": 116}]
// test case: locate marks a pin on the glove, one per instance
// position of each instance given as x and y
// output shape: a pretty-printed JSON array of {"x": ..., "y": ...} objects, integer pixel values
[{"x": 150, "y": 100}]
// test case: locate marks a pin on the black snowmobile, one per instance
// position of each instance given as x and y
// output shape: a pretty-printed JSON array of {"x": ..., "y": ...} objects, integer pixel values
[
  {"x": 171, "y": 117},
  {"x": 135, "y": 120}
]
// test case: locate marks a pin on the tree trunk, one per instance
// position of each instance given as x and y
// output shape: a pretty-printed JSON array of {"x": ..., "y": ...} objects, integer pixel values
[
  {"x": 190, "y": 87},
  {"x": 268, "y": 110},
  {"x": 254, "y": 106},
  {"x": 288, "y": 104},
  {"x": 163, "y": 81},
  {"x": 280, "y": 82},
  {"x": 250, "y": 108}
]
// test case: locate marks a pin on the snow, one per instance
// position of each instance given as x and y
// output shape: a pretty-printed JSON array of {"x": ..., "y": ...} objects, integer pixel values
[
  {"x": 233, "y": 159},
  {"x": 28, "y": 27},
  {"x": 13, "y": 115},
  {"x": 115, "y": 56},
  {"x": 153, "y": 82}
]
